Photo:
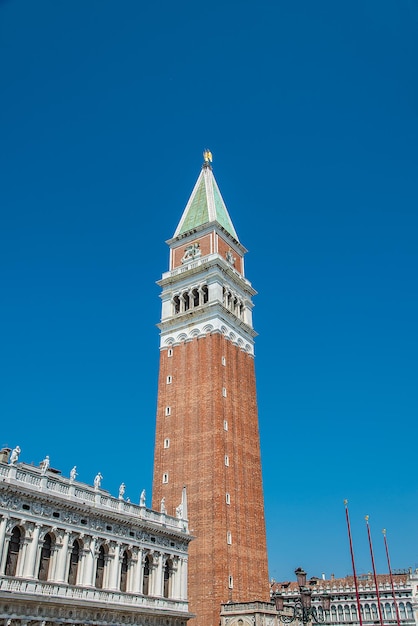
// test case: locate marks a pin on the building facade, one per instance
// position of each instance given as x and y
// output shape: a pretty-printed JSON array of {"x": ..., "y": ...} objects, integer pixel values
[
  {"x": 73, "y": 554},
  {"x": 342, "y": 593},
  {"x": 207, "y": 435}
]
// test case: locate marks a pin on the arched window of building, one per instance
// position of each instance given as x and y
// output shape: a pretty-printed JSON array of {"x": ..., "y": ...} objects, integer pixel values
[
  {"x": 340, "y": 613},
  {"x": 167, "y": 575},
  {"x": 367, "y": 611},
  {"x": 195, "y": 296},
  {"x": 176, "y": 303},
  {"x": 334, "y": 613},
  {"x": 353, "y": 613},
  {"x": 374, "y": 611},
  {"x": 100, "y": 568},
  {"x": 205, "y": 294},
  {"x": 45, "y": 558},
  {"x": 409, "y": 612},
  {"x": 13, "y": 552},
  {"x": 74, "y": 559},
  {"x": 321, "y": 613},
  {"x": 186, "y": 299},
  {"x": 388, "y": 611},
  {"x": 145, "y": 583},
  {"x": 347, "y": 615},
  {"x": 124, "y": 571},
  {"x": 402, "y": 612}
]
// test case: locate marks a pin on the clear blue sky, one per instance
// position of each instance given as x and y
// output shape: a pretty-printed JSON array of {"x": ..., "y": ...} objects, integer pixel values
[{"x": 311, "y": 112}]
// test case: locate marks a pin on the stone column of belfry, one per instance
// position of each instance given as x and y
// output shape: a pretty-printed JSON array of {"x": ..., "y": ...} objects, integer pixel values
[{"x": 207, "y": 436}]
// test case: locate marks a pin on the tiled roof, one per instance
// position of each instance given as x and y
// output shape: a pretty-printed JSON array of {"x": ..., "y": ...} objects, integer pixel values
[{"x": 205, "y": 205}]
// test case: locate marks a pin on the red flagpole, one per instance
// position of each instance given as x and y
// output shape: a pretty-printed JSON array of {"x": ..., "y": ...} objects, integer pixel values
[
  {"x": 391, "y": 578},
  {"x": 374, "y": 570},
  {"x": 352, "y": 561}
]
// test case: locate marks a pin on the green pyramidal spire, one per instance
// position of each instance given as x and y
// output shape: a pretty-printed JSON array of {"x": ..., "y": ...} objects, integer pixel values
[{"x": 205, "y": 204}]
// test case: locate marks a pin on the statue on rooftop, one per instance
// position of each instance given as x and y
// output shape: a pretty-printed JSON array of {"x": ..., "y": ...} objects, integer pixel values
[
  {"x": 98, "y": 480},
  {"x": 163, "y": 509},
  {"x": 73, "y": 474},
  {"x": 142, "y": 498},
  {"x": 44, "y": 465},
  {"x": 14, "y": 455},
  {"x": 122, "y": 491}
]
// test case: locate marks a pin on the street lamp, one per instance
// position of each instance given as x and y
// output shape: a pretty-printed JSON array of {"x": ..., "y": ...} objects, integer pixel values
[{"x": 302, "y": 609}]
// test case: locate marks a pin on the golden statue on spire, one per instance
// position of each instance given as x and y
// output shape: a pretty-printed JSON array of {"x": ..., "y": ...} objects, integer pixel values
[{"x": 207, "y": 155}]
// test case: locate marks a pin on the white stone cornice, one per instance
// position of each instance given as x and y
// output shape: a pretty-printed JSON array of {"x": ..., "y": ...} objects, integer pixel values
[
  {"x": 202, "y": 266},
  {"x": 172, "y": 336}
]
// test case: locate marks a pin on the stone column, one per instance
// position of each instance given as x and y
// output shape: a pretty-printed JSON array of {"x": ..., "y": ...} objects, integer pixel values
[
  {"x": 131, "y": 583},
  {"x": 175, "y": 578},
  {"x": 81, "y": 559},
  {"x": 183, "y": 579},
  {"x": 157, "y": 575},
  {"x": 139, "y": 573},
  {"x": 32, "y": 553},
  {"x": 89, "y": 557},
  {"x": 3, "y": 544},
  {"x": 61, "y": 567},
  {"x": 114, "y": 574}
]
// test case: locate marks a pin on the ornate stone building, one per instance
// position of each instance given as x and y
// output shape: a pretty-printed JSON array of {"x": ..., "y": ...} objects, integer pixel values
[
  {"x": 343, "y": 598},
  {"x": 207, "y": 435},
  {"x": 73, "y": 554}
]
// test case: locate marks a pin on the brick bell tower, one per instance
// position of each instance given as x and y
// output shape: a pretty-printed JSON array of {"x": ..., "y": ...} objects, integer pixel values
[{"x": 207, "y": 438}]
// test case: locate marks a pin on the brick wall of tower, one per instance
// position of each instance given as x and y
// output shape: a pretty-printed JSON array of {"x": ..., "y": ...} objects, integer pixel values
[
  {"x": 205, "y": 426},
  {"x": 223, "y": 247}
]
